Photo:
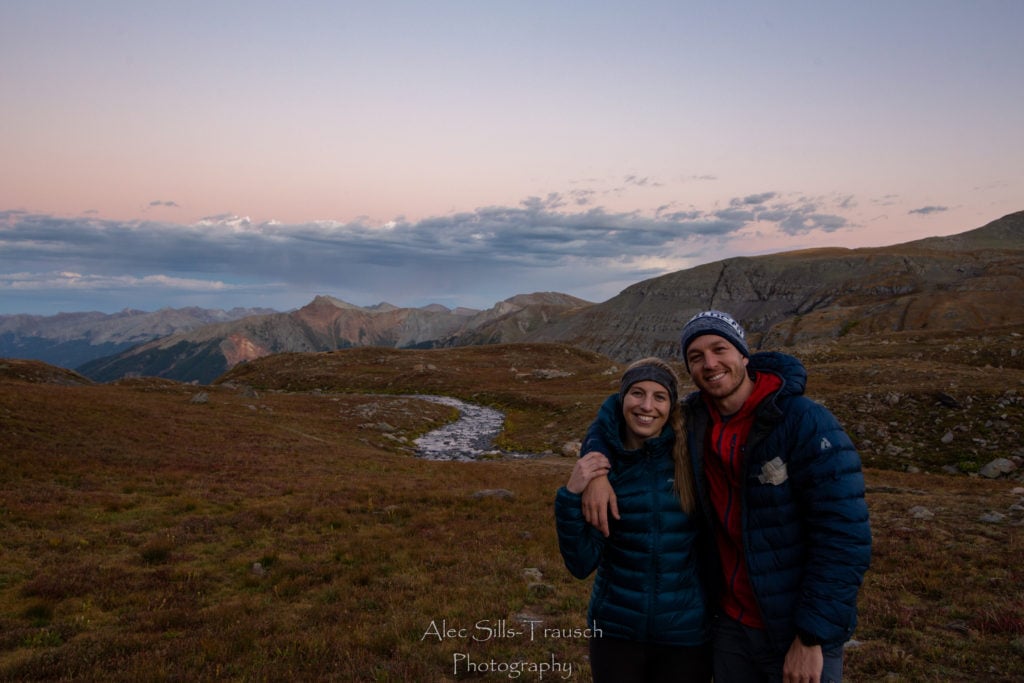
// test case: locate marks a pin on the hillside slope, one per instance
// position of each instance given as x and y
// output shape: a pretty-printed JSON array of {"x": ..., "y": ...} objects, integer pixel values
[
  {"x": 964, "y": 282},
  {"x": 276, "y": 525}
]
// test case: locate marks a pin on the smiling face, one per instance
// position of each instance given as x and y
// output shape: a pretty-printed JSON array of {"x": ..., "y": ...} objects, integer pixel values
[
  {"x": 645, "y": 407},
  {"x": 720, "y": 371}
]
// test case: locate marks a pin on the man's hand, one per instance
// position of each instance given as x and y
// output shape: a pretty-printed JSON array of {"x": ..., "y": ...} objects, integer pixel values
[
  {"x": 588, "y": 468},
  {"x": 599, "y": 499},
  {"x": 803, "y": 663}
]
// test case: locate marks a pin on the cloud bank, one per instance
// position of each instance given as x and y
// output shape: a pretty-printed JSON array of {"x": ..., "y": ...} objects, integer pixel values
[{"x": 473, "y": 259}]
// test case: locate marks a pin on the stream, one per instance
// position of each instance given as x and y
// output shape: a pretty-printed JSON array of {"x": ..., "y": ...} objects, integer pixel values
[{"x": 468, "y": 438}]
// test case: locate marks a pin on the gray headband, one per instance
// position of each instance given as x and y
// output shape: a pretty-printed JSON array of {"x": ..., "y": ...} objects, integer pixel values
[{"x": 652, "y": 373}]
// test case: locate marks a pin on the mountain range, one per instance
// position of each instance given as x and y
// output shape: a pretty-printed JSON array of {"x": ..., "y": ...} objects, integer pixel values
[
  {"x": 69, "y": 339},
  {"x": 969, "y": 281}
]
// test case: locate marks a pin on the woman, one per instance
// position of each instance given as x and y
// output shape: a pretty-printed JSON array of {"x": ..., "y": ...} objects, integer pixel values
[{"x": 647, "y": 606}]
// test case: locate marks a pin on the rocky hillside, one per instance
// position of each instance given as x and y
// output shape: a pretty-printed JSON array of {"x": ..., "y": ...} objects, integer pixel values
[
  {"x": 515, "y": 319},
  {"x": 969, "y": 281}
]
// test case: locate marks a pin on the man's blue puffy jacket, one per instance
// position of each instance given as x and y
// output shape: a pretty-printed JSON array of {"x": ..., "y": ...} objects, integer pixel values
[{"x": 806, "y": 535}]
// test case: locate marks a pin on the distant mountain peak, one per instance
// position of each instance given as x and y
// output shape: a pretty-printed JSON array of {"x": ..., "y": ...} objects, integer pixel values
[{"x": 325, "y": 300}]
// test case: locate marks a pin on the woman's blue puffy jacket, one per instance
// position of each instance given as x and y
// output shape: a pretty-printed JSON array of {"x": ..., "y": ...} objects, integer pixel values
[{"x": 647, "y": 587}]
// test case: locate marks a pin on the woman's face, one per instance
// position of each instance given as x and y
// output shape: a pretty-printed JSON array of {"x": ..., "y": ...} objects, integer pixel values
[{"x": 645, "y": 407}]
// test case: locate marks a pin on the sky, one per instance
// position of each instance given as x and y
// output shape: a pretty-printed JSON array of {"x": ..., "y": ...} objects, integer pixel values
[{"x": 258, "y": 154}]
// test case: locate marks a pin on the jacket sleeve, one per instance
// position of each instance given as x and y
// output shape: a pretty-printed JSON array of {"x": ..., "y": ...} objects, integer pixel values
[
  {"x": 831, "y": 494},
  {"x": 581, "y": 544},
  {"x": 597, "y": 438}
]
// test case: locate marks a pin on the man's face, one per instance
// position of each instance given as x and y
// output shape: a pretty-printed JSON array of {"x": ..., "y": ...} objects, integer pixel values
[{"x": 720, "y": 371}]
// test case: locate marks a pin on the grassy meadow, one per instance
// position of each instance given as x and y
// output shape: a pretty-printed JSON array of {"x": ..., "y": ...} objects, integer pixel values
[{"x": 276, "y": 526}]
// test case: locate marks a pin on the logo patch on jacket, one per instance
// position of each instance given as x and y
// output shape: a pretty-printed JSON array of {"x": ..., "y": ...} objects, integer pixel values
[{"x": 774, "y": 472}]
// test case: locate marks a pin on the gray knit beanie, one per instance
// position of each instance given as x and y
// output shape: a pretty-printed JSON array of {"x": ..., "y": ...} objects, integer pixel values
[{"x": 714, "y": 322}]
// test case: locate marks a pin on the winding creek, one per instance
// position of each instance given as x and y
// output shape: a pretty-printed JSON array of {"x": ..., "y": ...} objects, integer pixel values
[{"x": 468, "y": 438}]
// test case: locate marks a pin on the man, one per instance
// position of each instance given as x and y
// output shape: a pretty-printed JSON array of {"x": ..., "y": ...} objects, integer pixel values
[{"x": 780, "y": 483}]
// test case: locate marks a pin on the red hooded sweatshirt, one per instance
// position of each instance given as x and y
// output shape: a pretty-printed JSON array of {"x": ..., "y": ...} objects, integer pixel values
[{"x": 723, "y": 464}]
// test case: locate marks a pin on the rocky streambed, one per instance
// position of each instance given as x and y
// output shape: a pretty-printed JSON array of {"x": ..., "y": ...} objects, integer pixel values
[{"x": 471, "y": 437}]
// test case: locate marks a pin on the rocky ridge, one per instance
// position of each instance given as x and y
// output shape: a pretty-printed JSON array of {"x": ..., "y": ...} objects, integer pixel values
[{"x": 970, "y": 281}]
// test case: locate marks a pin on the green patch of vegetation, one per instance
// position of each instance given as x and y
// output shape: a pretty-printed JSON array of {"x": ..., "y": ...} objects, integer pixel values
[
  {"x": 968, "y": 466},
  {"x": 42, "y": 638}
]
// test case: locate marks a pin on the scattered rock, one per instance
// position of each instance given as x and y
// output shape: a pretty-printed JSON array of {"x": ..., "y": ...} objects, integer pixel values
[
  {"x": 992, "y": 518},
  {"x": 571, "y": 449},
  {"x": 550, "y": 373},
  {"x": 997, "y": 468},
  {"x": 526, "y": 617},
  {"x": 921, "y": 512},
  {"x": 504, "y": 494},
  {"x": 958, "y": 626},
  {"x": 947, "y": 437},
  {"x": 200, "y": 398}
]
